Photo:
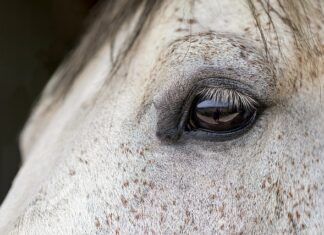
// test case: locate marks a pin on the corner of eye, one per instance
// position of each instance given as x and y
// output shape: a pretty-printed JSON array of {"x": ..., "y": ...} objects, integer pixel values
[{"x": 169, "y": 136}]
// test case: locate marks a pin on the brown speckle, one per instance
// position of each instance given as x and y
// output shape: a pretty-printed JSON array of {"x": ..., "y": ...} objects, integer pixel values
[
  {"x": 263, "y": 185},
  {"x": 242, "y": 55},
  {"x": 192, "y": 21},
  {"x": 181, "y": 30},
  {"x": 290, "y": 217},
  {"x": 109, "y": 218},
  {"x": 151, "y": 185},
  {"x": 124, "y": 201},
  {"x": 97, "y": 222},
  {"x": 125, "y": 184},
  {"x": 141, "y": 152},
  {"x": 297, "y": 215}
]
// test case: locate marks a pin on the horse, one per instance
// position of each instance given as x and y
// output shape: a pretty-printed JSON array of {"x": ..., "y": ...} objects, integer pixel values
[{"x": 180, "y": 117}]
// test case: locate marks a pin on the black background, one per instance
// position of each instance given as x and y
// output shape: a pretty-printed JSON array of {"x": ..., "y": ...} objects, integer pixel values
[{"x": 35, "y": 35}]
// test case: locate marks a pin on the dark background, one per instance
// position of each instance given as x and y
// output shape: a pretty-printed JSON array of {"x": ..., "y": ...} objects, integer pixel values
[{"x": 35, "y": 35}]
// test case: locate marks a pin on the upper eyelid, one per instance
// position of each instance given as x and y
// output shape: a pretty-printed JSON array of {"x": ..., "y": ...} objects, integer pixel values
[
  {"x": 185, "y": 62},
  {"x": 226, "y": 86},
  {"x": 226, "y": 83}
]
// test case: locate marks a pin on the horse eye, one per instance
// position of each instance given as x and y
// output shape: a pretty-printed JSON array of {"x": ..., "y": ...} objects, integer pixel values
[{"x": 219, "y": 116}]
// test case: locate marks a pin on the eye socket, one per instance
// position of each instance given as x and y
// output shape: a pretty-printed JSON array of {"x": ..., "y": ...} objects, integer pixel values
[
  {"x": 221, "y": 111},
  {"x": 215, "y": 109}
]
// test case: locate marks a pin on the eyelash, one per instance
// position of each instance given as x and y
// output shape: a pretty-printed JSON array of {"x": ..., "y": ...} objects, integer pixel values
[{"x": 234, "y": 98}]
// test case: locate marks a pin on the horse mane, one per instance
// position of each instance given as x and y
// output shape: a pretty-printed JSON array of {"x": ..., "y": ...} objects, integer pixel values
[
  {"x": 294, "y": 13},
  {"x": 105, "y": 22}
]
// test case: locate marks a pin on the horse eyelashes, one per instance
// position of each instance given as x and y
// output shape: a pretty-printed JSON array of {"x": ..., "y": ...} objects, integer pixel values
[
  {"x": 230, "y": 97},
  {"x": 221, "y": 111}
]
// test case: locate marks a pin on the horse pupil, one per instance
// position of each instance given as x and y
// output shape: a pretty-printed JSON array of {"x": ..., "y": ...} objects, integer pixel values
[{"x": 217, "y": 116}]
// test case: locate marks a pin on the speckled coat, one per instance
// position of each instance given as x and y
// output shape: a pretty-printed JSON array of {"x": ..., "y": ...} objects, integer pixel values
[{"x": 97, "y": 161}]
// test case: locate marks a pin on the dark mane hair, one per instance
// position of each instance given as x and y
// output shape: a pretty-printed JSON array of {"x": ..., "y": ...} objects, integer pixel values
[{"x": 111, "y": 14}]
